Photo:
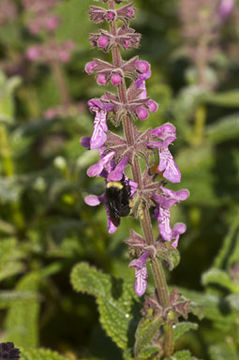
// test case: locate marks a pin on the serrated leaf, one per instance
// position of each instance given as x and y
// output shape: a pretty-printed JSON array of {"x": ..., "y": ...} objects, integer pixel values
[
  {"x": 145, "y": 332},
  {"x": 115, "y": 298},
  {"x": 223, "y": 351},
  {"x": 182, "y": 327},
  {"x": 224, "y": 129},
  {"x": 22, "y": 317},
  {"x": 41, "y": 354}
]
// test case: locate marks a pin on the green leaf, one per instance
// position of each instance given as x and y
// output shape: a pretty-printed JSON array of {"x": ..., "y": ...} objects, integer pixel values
[
  {"x": 221, "y": 278},
  {"x": 7, "y": 298},
  {"x": 224, "y": 129},
  {"x": 9, "y": 256},
  {"x": 7, "y": 87},
  {"x": 214, "y": 309},
  {"x": 41, "y": 354},
  {"x": 225, "y": 99},
  {"x": 181, "y": 355},
  {"x": 182, "y": 327},
  {"x": 22, "y": 317},
  {"x": 229, "y": 244},
  {"x": 146, "y": 330},
  {"x": 115, "y": 298},
  {"x": 223, "y": 351},
  {"x": 233, "y": 300}
]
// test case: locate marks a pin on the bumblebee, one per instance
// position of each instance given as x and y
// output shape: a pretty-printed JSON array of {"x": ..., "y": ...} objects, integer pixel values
[{"x": 118, "y": 200}]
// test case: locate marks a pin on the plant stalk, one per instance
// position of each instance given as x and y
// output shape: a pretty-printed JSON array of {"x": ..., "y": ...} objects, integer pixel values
[
  {"x": 8, "y": 168},
  {"x": 146, "y": 225}
]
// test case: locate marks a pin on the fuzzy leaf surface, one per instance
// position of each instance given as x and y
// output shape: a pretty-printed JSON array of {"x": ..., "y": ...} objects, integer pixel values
[
  {"x": 115, "y": 298},
  {"x": 182, "y": 327},
  {"x": 41, "y": 354}
]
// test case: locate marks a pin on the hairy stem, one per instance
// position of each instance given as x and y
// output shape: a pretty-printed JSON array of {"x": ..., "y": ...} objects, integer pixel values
[{"x": 146, "y": 225}]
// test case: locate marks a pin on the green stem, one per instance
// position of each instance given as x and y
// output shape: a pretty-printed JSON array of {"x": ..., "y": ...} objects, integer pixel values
[
  {"x": 157, "y": 269},
  {"x": 8, "y": 168},
  {"x": 200, "y": 120}
]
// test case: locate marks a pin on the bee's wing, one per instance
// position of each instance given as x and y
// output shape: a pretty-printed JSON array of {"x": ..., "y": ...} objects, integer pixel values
[{"x": 113, "y": 207}]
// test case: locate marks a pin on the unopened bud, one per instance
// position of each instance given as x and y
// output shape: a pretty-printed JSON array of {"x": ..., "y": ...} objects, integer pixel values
[
  {"x": 142, "y": 113},
  {"x": 116, "y": 79},
  {"x": 103, "y": 41},
  {"x": 101, "y": 79},
  {"x": 142, "y": 66},
  {"x": 89, "y": 68}
]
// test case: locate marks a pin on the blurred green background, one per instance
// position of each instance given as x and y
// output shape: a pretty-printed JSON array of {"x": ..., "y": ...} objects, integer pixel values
[{"x": 45, "y": 226}]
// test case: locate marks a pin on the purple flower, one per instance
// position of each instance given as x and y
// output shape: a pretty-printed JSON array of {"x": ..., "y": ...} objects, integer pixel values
[
  {"x": 167, "y": 165},
  {"x": 162, "y": 212},
  {"x": 116, "y": 79},
  {"x": 89, "y": 68},
  {"x": 226, "y": 8},
  {"x": 100, "y": 109},
  {"x": 118, "y": 172},
  {"x": 141, "y": 273},
  {"x": 140, "y": 83},
  {"x": 105, "y": 163},
  {"x": 178, "y": 229}
]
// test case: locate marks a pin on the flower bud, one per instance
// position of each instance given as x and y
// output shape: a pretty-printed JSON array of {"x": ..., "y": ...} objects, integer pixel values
[
  {"x": 33, "y": 53},
  {"x": 103, "y": 41},
  {"x": 127, "y": 44},
  {"x": 130, "y": 12},
  {"x": 110, "y": 15},
  {"x": 142, "y": 113},
  {"x": 89, "y": 68},
  {"x": 101, "y": 79},
  {"x": 142, "y": 66},
  {"x": 116, "y": 79},
  {"x": 152, "y": 105}
]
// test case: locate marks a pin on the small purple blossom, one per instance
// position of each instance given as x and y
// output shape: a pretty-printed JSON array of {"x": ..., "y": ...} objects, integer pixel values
[
  {"x": 162, "y": 212},
  {"x": 178, "y": 229},
  {"x": 105, "y": 163},
  {"x": 167, "y": 165},
  {"x": 118, "y": 172},
  {"x": 142, "y": 113},
  {"x": 140, "y": 83},
  {"x": 226, "y": 8},
  {"x": 116, "y": 79},
  {"x": 89, "y": 68},
  {"x": 100, "y": 109},
  {"x": 141, "y": 273}
]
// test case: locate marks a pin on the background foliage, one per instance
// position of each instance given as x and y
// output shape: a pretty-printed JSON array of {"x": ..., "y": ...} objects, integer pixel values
[{"x": 46, "y": 229}]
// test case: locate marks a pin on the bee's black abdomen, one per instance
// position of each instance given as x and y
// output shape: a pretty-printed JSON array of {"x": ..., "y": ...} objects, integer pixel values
[{"x": 117, "y": 200}]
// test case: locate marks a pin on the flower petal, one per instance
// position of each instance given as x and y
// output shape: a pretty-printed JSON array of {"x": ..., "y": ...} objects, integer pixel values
[
  {"x": 140, "y": 284},
  {"x": 118, "y": 172},
  {"x": 169, "y": 166},
  {"x": 99, "y": 137},
  {"x": 164, "y": 131}
]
